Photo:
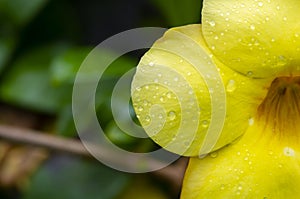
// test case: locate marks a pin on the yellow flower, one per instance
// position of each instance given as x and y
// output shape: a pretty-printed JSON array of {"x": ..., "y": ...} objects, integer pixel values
[{"x": 229, "y": 87}]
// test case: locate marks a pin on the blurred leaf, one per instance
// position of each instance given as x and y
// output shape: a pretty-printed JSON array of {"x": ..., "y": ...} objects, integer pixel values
[
  {"x": 28, "y": 84},
  {"x": 178, "y": 12},
  {"x": 65, "y": 66},
  {"x": 76, "y": 179},
  {"x": 7, "y": 44},
  {"x": 119, "y": 66},
  {"x": 118, "y": 137},
  {"x": 65, "y": 123},
  {"x": 20, "y": 11}
]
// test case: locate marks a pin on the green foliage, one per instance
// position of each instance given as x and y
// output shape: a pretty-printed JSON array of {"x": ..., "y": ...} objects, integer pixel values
[
  {"x": 7, "y": 44},
  {"x": 40, "y": 53},
  {"x": 19, "y": 12},
  {"x": 77, "y": 179},
  {"x": 28, "y": 83},
  {"x": 178, "y": 12}
]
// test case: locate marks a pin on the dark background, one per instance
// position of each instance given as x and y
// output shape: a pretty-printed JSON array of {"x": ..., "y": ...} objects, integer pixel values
[{"x": 42, "y": 44}]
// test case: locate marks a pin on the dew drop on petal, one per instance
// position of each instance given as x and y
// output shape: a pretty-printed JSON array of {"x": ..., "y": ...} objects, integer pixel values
[
  {"x": 251, "y": 121},
  {"x": 222, "y": 186},
  {"x": 249, "y": 73},
  {"x": 213, "y": 154},
  {"x": 212, "y": 23},
  {"x": 231, "y": 85},
  {"x": 169, "y": 95},
  {"x": 240, "y": 187},
  {"x": 162, "y": 99},
  {"x": 205, "y": 123},
  {"x": 172, "y": 115},
  {"x": 140, "y": 108},
  {"x": 147, "y": 118},
  {"x": 287, "y": 151}
]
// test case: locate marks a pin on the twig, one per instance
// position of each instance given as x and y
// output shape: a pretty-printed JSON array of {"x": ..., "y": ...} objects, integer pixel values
[
  {"x": 41, "y": 139},
  {"x": 54, "y": 143}
]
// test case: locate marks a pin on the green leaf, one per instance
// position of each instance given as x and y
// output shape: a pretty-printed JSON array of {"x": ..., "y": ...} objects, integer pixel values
[
  {"x": 178, "y": 12},
  {"x": 7, "y": 45},
  {"x": 118, "y": 137},
  {"x": 65, "y": 66},
  {"x": 65, "y": 124},
  {"x": 20, "y": 12},
  {"x": 28, "y": 84},
  {"x": 76, "y": 179}
]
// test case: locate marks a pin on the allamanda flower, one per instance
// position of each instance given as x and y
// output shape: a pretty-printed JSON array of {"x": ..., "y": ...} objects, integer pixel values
[{"x": 229, "y": 87}]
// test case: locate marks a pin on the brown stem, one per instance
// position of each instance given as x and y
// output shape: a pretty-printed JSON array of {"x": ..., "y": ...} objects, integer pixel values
[{"x": 54, "y": 143}]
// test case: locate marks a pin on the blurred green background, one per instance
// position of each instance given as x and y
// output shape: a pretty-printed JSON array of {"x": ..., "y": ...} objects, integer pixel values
[{"x": 42, "y": 44}]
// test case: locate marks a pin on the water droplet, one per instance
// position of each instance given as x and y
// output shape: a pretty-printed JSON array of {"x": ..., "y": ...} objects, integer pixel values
[
  {"x": 212, "y": 23},
  {"x": 240, "y": 187},
  {"x": 160, "y": 116},
  {"x": 251, "y": 121},
  {"x": 252, "y": 27},
  {"x": 284, "y": 18},
  {"x": 145, "y": 102},
  {"x": 140, "y": 108},
  {"x": 159, "y": 74},
  {"x": 281, "y": 60},
  {"x": 214, "y": 154},
  {"x": 162, "y": 99},
  {"x": 172, "y": 115},
  {"x": 186, "y": 143},
  {"x": 151, "y": 64},
  {"x": 169, "y": 95},
  {"x": 231, "y": 85},
  {"x": 205, "y": 123},
  {"x": 249, "y": 73},
  {"x": 175, "y": 79},
  {"x": 287, "y": 151},
  {"x": 260, "y": 4},
  {"x": 147, "y": 118},
  {"x": 222, "y": 186}
]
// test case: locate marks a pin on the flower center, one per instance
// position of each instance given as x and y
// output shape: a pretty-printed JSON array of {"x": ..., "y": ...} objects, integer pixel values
[{"x": 280, "y": 109}]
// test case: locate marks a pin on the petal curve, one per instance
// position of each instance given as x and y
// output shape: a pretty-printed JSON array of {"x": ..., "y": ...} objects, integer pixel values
[{"x": 172, "y": 97}]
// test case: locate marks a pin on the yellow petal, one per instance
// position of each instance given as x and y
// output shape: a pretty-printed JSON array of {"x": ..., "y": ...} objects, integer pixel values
[
  {"x": 245, "y": 170},
  {"x": 187, "y": 101},
  {"x": 256, "y": 37},
  {"x": 264, "y": 163}
]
